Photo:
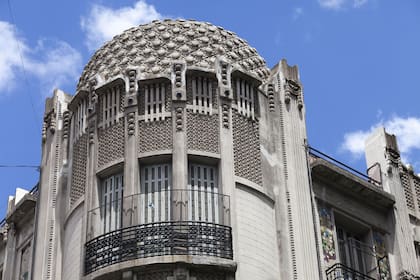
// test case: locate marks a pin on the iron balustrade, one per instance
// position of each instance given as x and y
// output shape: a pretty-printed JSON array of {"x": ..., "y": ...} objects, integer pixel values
[
  {"x": 166, "y": 222},
  {"x": 341, "y": 272},
  {"x": 158, "y": 239},
  {"x": 316, "y": 153}
]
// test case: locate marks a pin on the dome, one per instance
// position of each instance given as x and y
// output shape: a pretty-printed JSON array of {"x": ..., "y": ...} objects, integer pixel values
[{"x": 153, "y": 47}]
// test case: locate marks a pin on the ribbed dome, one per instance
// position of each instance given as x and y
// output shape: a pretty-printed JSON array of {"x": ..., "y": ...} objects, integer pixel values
[{"x": 153, "y": 47}]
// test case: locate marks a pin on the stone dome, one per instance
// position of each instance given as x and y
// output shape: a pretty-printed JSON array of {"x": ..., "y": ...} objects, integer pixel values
[{"x": 153, "y": 47}]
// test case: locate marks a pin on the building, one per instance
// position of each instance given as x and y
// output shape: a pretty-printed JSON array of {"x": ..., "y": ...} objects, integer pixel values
[{"x": 182, "y": 156}]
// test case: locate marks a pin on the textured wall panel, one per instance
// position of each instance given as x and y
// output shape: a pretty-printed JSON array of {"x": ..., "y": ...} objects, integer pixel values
[
  {"x": 72, "y": 246},
  {"x": 405, "y": 180},
  {"x": 155, "y": 136},
  {"x": 203, "y": 132},
  {"x": 257, "y": 246},
  {"x": 416, "y": 182},
  {"x": 78, "y": 174},
  {"x": 246, "y": 148},
  {"x": 111, "y": 143}
]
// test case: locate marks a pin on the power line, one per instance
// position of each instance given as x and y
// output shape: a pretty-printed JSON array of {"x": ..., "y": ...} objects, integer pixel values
[
  {"x": 23, "y": 65},
  {"x": 37, "y": 167}
]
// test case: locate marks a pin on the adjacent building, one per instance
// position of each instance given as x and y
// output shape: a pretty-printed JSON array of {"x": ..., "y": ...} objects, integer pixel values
[{"x": 182, "y": 156}]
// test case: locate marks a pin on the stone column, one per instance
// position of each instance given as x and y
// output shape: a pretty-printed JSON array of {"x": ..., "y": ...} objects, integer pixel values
[
  {"x": 47, "y": 245},
  {"x": 294, "y": 190},
  {"x": 382, "y": 148},
  {"x": 131, "y": 170},
  {"x": 10, "y": 254},
  {"x": 179, "y": 155}
]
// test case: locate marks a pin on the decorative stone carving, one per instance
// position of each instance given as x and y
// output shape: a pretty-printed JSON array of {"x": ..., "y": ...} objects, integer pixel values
[
  {"x": 327, "y": 233},
  {"x": 130, "y": 123},
  {"x": 225, "y": 115},
  {"x": 198, "y": 41},
  {"x": 44, "y": 131},
  {"x": 223, "y": 75},
  {"x": 132, "y": 81},
  {"x": 93, "y": 95},
  {"x": 270, "y": 93},
  {"x": 91, "y": 132},
  {"x": 293, "y": 89},
  {"x": 179, "y": 82},
  {"x": 66, "y": 124},
  {"x": 406, "y": 275},
  {"x": 179, "y": 111}
]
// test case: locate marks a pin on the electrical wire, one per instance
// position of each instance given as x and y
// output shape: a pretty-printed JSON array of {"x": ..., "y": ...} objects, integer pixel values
[{"x": 23, "y": 66}]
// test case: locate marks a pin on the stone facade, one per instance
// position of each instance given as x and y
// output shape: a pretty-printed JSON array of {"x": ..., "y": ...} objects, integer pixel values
[{"x": 182, "y": 156}]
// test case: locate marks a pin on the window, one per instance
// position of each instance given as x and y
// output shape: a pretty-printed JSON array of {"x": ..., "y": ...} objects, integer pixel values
[
  {"x": 80, "y": 118},
  {"x": 154, "y": 100},
  {"x": 111, "y": 202},
  {"x": 155, "y": 193},
  {"x": 24, "y": 262},
  {"x": 203, "y": 194},
  {"x": 202, "y": 94},
  {"x": 245, "y": 97},
  {"x": 110, "y": 104}
]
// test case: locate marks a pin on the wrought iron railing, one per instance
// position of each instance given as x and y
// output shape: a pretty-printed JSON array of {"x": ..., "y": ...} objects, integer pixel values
[
  {"x": 168, "y": 222},
  {"x": 316, "y": 153},
  {"x": 341, "y": 272},
  {"x": 158, "y": 239}
]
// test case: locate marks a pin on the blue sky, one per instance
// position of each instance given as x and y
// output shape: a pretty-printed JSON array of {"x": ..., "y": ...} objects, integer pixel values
[{"x": 359, "y": 64}]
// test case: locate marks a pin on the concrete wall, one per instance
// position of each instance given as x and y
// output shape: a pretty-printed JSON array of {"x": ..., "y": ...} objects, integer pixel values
[
  {"x": 257, "y": 254},
  {"x": 72, "y": 248}
]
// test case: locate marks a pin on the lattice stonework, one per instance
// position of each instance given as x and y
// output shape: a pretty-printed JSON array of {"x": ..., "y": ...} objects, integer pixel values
[
  {"x": 246, "y": 148},
  {"x": 155, "y": 136},
  {"x": 405, "y": 180},
  {"x": 111, "y": 143},
  {"x": 203, "y": 132},
  {"x": 78, "y": 173},
  {"x": 416, "y": 182}
]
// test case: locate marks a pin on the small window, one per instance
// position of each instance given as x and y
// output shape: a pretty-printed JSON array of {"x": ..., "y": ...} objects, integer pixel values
[
  {"x": 154, "y": 100},
  {"x": 111, "y": 202},
  {"x": 202, "y": 89},
  {"x": 245, "y": 93},
  {"x": 24, "y": 262},
  {"x": 80, "y": 118},
  {"x": 110, "y": 104},
  {"x": 204, "y": 197},
  {"x": 155, "y": 193}
]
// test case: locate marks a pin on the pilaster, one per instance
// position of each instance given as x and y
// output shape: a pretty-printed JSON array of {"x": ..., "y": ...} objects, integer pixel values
[
  {"x": 179, "y": 154},
  {"x": 295, "y": 191},
  {"x": 382, "y": 148},
  {"x": 131, "y": 171}
]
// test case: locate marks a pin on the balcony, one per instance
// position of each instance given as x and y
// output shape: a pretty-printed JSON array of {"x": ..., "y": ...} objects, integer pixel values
[
  {"x": 173, "y": 222},
  {"x": 341, "y": 272}
]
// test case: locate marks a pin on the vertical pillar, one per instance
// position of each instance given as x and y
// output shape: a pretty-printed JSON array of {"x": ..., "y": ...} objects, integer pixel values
[
  {"x": 296, "y": 194},
  {"x": 179, "y": 155},
  {"x": 47, "y": 245},
  {"x": 382, "y": 148},
  {"x": 131, "y": 171},
  {"x": 10, "y": 254},
  {"x": 226, "y": 165}
]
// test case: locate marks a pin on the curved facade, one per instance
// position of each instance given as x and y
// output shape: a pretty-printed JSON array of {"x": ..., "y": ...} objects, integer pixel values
[{"x": 182, "y": 156}]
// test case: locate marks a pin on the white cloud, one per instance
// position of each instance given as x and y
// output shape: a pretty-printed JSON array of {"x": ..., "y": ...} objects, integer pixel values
[
  {"x": 340, "y": 4},
  {"x": 10, "y": 60},
  {"x": 52, "y": 62},
  {"x": 297, "y": 13},
  {"x": 103, "y": 23},
  {"x": 407, "y": 131}
]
